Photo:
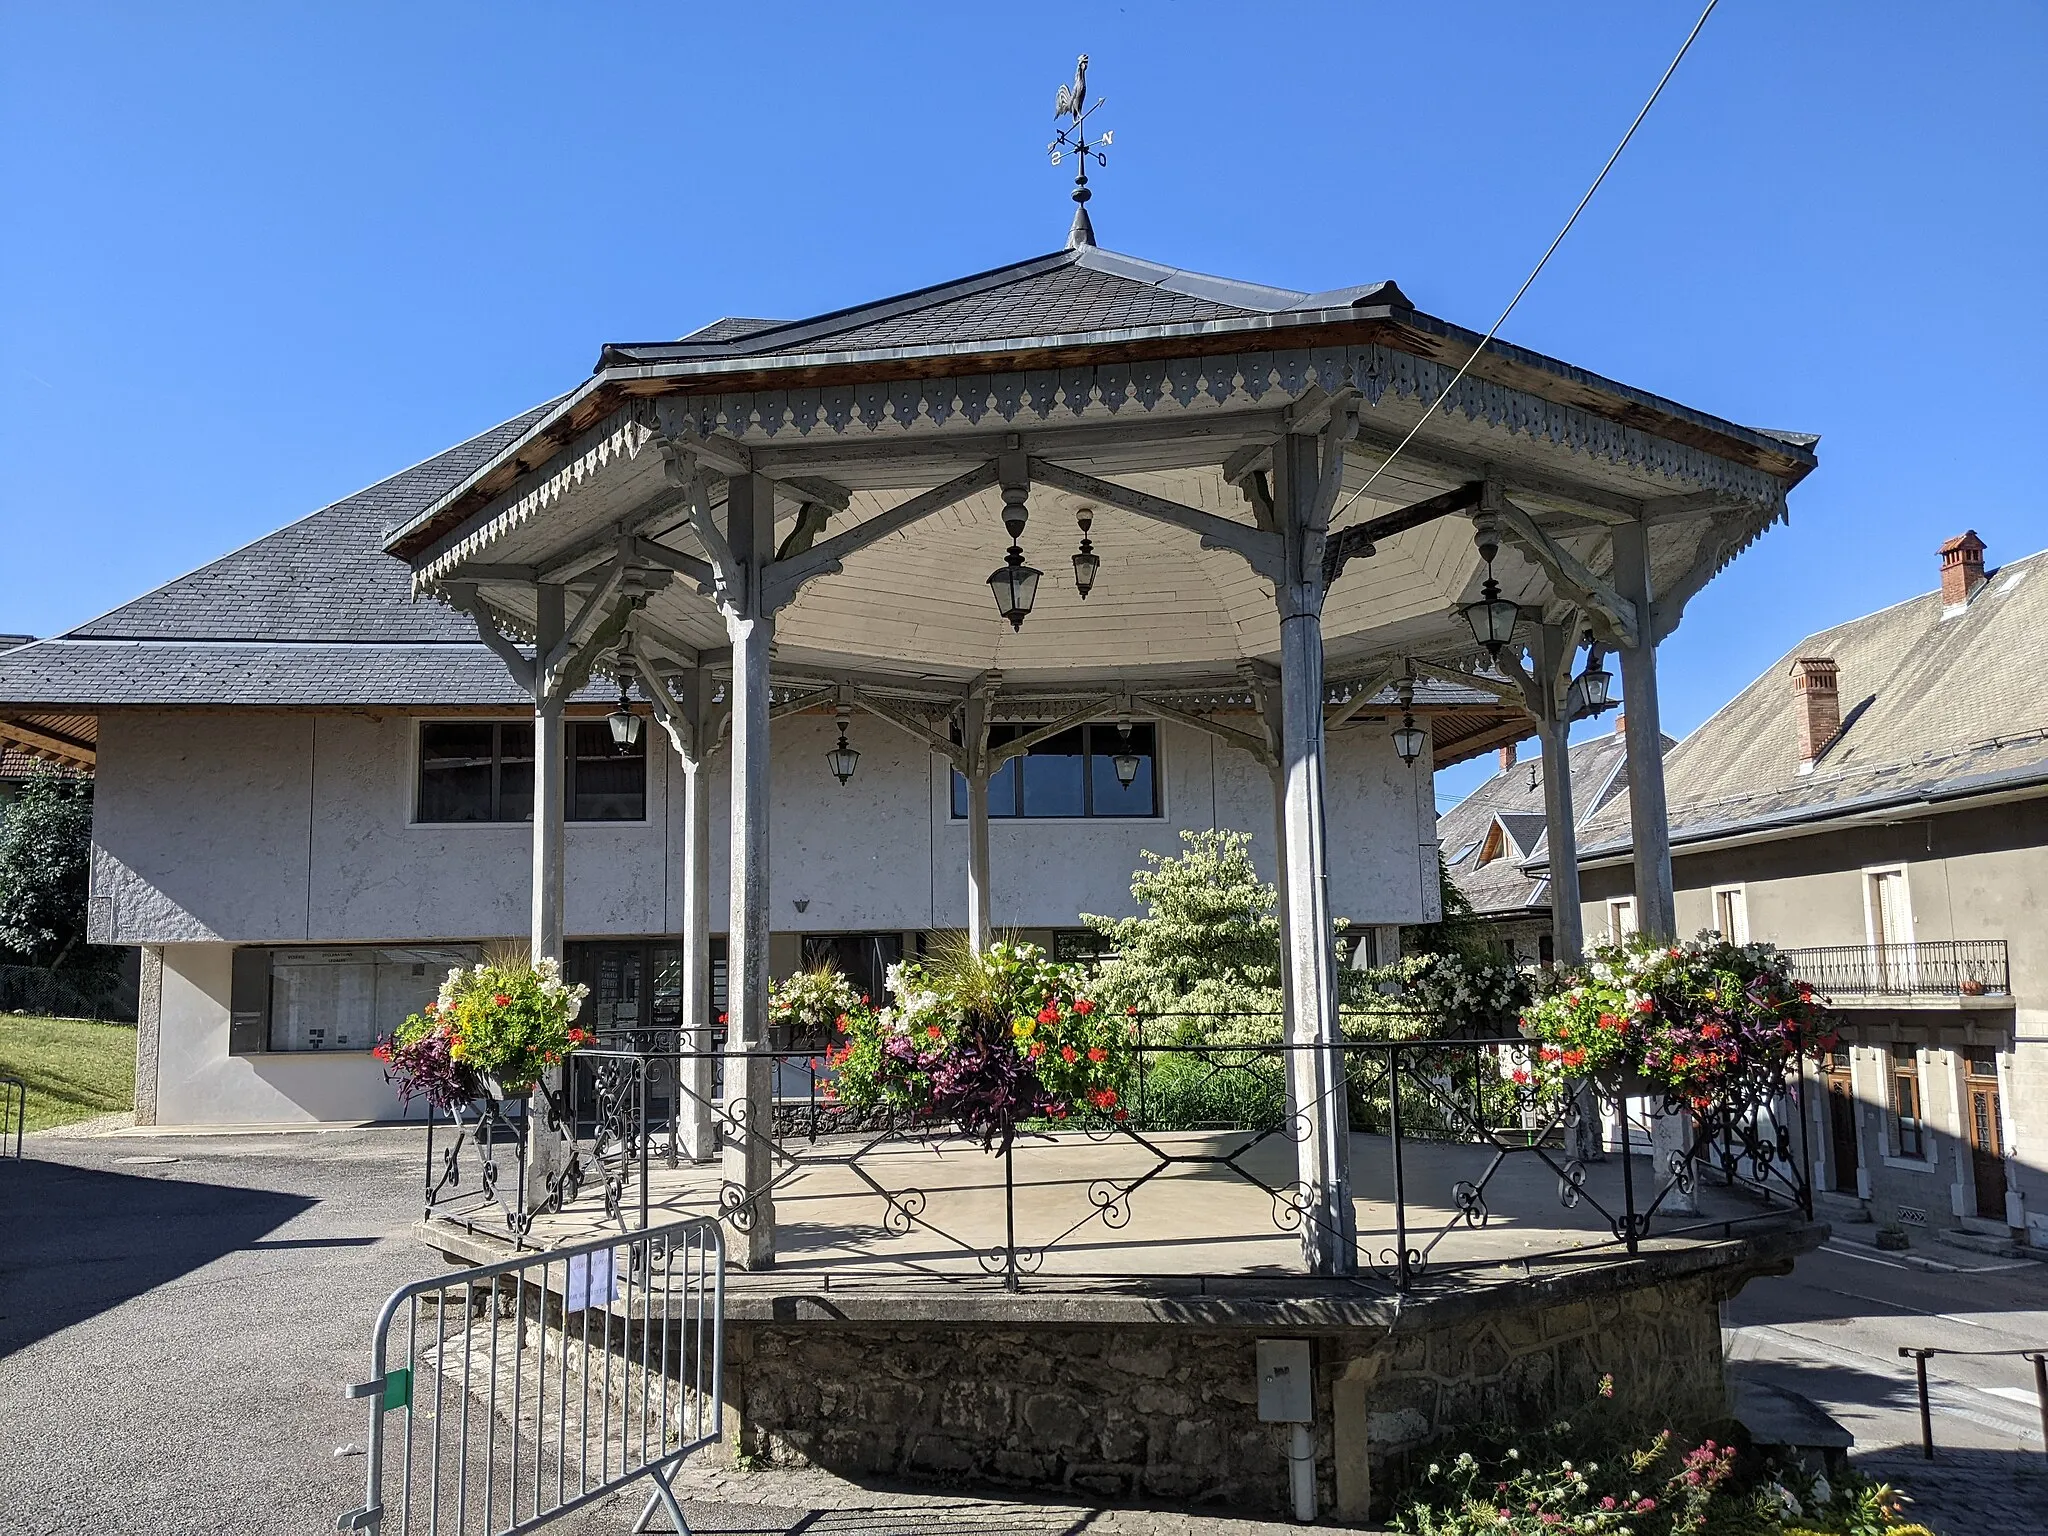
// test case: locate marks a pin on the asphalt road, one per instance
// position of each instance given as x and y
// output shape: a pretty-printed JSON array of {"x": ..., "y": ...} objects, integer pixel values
[
  {"x": 1832, "y": 1330},
  {"x": 178, "y": 1315}
]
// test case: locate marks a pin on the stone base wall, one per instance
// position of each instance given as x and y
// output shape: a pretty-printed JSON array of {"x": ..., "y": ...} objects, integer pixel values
[{"x": 1169, "y": 1409}]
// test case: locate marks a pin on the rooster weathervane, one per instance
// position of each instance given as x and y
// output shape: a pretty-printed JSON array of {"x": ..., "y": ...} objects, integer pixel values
[{"x": 1073, "y": 104}]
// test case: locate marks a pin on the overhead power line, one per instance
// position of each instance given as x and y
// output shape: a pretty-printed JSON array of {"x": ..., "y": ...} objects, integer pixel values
[{"x": 1444, "y": 400}]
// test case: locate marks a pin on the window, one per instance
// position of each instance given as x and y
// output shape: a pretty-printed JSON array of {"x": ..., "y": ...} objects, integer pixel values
[
  {"x": 1731, "y": 914},
  {"x": 1071, "y": 774},
  {"x": 1908, "y": 1129},
  {"x": 337, "y": 999},
  {"x": 1621, "y": 918},
  {"x": 1495, "y": 845},
  {"x": 482, "y": 770}
]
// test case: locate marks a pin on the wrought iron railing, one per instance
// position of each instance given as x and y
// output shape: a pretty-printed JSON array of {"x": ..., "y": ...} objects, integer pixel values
[
  {"x": 1459, "y": 1146},
  {"x": 1936, "y": 968}
]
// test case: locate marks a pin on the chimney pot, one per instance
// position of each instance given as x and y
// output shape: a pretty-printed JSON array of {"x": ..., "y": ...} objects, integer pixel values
[
  {"x": 1817, "y": 699},
  {"x": 1962, "y": 569},
  {"x": 1621, "y": 722},
  {"x": 1507, "y": 756}
]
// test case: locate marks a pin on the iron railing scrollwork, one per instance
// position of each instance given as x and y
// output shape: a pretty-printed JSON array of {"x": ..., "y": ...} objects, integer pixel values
[{"x": 1450, "y": 1139}]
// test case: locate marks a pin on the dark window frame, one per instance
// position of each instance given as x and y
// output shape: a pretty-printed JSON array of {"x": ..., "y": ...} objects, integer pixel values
[
  {"x": 499, "y": 759},
  {"x": 1011, "y": 776}
]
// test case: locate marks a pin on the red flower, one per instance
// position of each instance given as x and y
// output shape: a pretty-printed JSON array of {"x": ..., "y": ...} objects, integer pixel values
[
  {"x": 1521, "y": 1076},
  {"x": 842, "y": 1022},
  {"x": 1132, "y": 1010},
  {"x": 1057, "y": 1111},
  {"x": 1037, "y": 1049},
  {"x": 1103, "y": 1098},
  {"x": 1122, "y": 1114},
  {"x": 1097, "y": 1053},
  {"x": 934, "y": 1032},
  {"x": 1068, "y": 1053},
  {"x": 1646, "y": 1005},
  {"x": 382, "y": 1051},
  {"x": 501, "y": 999},
  {"x": 1049, "y": 1014},
  {"x": 864, "y": 1000},
  {"x": 1575, "y": 1058},
  {"x": 1083, "y": 1007},
  {"x": 1609, "y": 1021}
]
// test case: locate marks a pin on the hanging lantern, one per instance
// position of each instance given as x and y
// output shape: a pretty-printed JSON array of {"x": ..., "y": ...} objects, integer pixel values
[
  {"x": 1410, "y": 739},
  {"x": 1493, "y": 617},
  {"x": 1125, "y": 761},
  {"x": 624, "y": 723},
  {"x": 1087, "y": 564},
  {"x": 1015, "y": 586},
  {"x": 842, "y": 759}
]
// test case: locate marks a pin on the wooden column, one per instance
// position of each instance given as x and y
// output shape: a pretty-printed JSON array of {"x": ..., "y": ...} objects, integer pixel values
[
  {"x": 1648, "y": 813},
  {"x": 748, "y": 1162},
  {"x": 1649, "y": 818},
  {"x": 697, "y": 1128},
  {"x": 1317, "y": 1086},
  {"x": 547, "y": 1148},
  {"x": 550, "y": 762},
  {"x": 974, "y": 742},
  {"x": 1552, "y": 661}
]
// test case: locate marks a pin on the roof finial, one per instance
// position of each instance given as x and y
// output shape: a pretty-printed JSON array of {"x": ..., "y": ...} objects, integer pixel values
[{"x": 1072, "y": 102}]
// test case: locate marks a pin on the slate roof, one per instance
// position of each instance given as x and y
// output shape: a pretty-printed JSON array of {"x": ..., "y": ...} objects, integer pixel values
[
  {"x": 1514, "y": 882},
  {"x": 314, "y": 613},
  {"x": 1087, "y": 291},
  {"x": 1936, "y": 704}
]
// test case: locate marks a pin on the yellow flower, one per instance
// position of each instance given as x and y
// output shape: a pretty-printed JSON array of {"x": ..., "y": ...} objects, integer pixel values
[{"x": 1023, "y": 1029}]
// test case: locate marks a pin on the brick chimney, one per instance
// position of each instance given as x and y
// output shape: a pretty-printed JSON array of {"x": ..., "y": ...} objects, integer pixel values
[
  {"x": 1962, "y": 569},
  {"x": 1621, "y": 722},
  {"x": 1507, "y": 756},
  {"x": 1817, "y": 700}
]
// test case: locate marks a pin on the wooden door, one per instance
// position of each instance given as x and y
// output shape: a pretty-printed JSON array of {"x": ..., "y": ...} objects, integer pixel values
[
  {"x": 1842, "y": 1159},
  {"x": 1893, "y": 930},
  {"x": 1987, "y": 1138}
]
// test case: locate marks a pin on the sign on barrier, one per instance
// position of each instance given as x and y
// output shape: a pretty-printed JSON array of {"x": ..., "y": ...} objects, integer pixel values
[{"x": 506, "y": 1396}]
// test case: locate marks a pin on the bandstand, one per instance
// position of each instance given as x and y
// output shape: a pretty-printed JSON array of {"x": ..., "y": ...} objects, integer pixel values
[{"x": 875, "y": 514}]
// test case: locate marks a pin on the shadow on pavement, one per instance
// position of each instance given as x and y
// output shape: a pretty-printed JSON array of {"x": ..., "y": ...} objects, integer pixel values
[
  {"x": 80, "y": 1241},
  {"x": 1967, "y": 1492}
]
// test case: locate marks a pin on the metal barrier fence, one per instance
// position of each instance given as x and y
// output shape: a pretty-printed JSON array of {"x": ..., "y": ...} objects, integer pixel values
[
  {"x": 1472, "y": 1119},
  {"x": 13, "y": 1114},
  {"x": 1920, "y": 1357},
  {"x": 530, "y": 1388}
]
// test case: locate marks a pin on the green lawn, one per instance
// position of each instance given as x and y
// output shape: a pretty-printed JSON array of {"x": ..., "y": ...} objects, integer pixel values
[{"x": 74, "y": 1069}]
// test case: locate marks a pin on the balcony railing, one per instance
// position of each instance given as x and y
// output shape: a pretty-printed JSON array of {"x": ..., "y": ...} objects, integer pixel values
[{"x": 1938, "y": 968}]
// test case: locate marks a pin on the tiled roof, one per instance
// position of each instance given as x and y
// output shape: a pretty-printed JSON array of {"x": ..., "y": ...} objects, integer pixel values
[
  {"x": 1934, "y": 704},
  {"x": 315, "y": 612},
  {"x": 1513, "y": 881}
]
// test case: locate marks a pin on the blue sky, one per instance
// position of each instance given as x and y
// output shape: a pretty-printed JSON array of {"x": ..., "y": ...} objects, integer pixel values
[{"x": 257, "y": 257}]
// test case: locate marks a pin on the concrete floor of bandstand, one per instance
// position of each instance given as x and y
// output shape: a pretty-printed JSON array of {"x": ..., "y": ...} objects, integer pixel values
[{"x": 853, "y": 1208}]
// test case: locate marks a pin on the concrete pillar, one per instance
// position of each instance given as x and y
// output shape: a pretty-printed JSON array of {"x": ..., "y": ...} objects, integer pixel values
[
  {"x": 1648, "y": 814},
  {"x": 696, "y": 1129},
  {"x": 149, "y": 1016},
  {"x": 748, "y": 1161},
  {"x": 1317, "y": 1086}
]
